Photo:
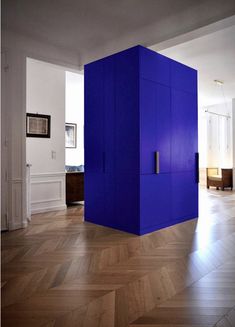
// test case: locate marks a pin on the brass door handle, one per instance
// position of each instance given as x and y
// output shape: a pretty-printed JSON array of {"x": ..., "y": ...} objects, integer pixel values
[{"x": 157, "y": 165}]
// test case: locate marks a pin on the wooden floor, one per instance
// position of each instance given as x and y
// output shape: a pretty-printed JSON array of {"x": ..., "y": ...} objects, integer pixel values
[{"x": 62, "y": 272}]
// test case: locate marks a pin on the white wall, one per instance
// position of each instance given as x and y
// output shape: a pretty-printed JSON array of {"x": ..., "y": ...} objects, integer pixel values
[
  {"x": 74, "y": 113},
  {"x": 45, "y": 94}
]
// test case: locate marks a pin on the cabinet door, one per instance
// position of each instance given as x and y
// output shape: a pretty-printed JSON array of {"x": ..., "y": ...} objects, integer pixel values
[
  {"x": 94, "y": 198},
  {"x": 155, "y": 201},
  {"x": 93, "y": 129},
  {"x": 127, "y": 111},
  {"x": 109, "y": 143},
  {"x": 183, "y": 78},
  {"x": 109, "y": 115},
  {"x": 155, "y": 126},
  {"x": 148, "y": 126},
  {"x": 184, "y": 131},
  {"x": 163, "y": 127},
  {"x": 109, "y": 200},
  {"x": 184, "y": 196},
  {"x": 127, "y": 202},
  {"x": 154, "y": 66}
]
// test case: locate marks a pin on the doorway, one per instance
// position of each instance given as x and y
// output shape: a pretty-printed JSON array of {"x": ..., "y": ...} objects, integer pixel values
[{"x": 52, "y": 91}]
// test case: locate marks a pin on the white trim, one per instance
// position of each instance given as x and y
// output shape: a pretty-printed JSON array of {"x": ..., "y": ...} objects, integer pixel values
[
  {"x": 17, "y": 225},
  {"x": 48, "y": 181},
  {"x": 46, "y": 200},
  {"x": 16, "y": 180},
  {"x": 60, "y": 173},
  {"x": 48, "y": 209}
]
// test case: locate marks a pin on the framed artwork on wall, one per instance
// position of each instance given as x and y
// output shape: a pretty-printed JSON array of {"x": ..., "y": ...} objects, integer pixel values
[
  {"x": 38, "y": 125},
  {"x": 70, "y": 135}
]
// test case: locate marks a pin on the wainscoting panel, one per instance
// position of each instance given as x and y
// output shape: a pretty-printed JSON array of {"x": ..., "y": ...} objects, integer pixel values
[
  {"x": 47, "y": 192},
  {"x": 16, "y": 209}
]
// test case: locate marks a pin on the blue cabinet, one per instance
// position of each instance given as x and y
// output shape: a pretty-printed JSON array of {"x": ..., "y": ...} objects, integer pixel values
[
  {"x": 139, "y": 103},
  {"x": 184, "y": 130},
  {"x": 94, "y": 117},
  {"x": 155, "y": 123},
  {"x": 127, "y": 111},
  {"x": 184, "y": 196},
  {"x": 155, "y": 202}
]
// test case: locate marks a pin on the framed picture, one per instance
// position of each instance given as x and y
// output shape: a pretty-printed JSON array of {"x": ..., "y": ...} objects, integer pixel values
[
  {"x": 38, "y": 125},
  {"x": 70, "y": 135}
]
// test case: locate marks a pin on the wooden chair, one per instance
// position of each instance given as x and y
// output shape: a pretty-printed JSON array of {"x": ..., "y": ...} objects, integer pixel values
[{"x": 214, "y": 178}]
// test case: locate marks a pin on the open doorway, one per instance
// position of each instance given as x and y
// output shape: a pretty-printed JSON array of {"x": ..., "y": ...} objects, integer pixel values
[
  {"x": 54, "y": 97},
  {"x": 74, "y": 138}
]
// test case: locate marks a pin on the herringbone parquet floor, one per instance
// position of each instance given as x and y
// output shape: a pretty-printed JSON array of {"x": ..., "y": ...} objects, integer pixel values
[{"x": 62, "y": 272}]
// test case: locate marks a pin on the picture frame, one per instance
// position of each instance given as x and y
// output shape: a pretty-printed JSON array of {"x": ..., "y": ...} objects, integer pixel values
[
  {"x": 38, "y": 125},
  {"x": 70, "y": 135}
]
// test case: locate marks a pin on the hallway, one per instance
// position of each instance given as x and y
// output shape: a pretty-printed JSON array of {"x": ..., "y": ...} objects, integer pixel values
[{"x": 62, "y": 272}]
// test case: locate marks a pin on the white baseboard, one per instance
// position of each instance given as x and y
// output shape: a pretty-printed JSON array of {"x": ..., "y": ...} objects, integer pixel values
[
  {"x": 15, "y": 226},
  {"x": 48, "y": 209}
]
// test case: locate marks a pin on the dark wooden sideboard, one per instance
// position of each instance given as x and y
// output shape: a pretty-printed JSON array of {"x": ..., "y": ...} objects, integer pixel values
[{"x": 74, "y": 186}]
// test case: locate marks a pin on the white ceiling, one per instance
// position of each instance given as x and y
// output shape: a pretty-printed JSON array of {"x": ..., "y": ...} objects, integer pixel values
[
  {"x": 95, "y": 28},
  {"x": 213, "y": 56}
]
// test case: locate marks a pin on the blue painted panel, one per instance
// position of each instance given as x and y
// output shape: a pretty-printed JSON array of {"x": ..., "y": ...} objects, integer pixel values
[
  {"x": 94, "y": 122},
  {"x": 109, "y": 114},
  {"x": 184, "y": 195},
  {"x": 127, "y": 111},
  {"x": 94, "y": 198},
  {"x": 110, "y": 218},
  {"x": 154, "y": 67},
  {"x": 127, "y": 203},
  {"x": 148, "y": 135},
  {"x": 155, "y": 124},
  {"x": 163, "y": 127},
  {"x": 183, "y": 78},
  {"x": 155, "y": 200},
  {"x": 184, "y": 131}
]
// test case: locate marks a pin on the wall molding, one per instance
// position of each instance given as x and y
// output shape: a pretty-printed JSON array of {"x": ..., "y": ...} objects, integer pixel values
[
  {"x": 49, "y": 174},
  {"x": 47, "y": 192},
  {"x": 59, "y": 198},
  {"x": 16, "y": 209},
  {"x": 49, "y": 209},
  {"x": 14, "y": 226}
]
